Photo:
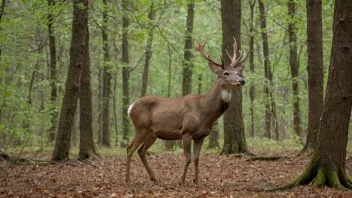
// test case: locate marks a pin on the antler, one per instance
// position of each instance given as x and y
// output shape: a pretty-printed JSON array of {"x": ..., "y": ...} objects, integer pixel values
[
  {"x": 233, "y": 59},
  {"x": 200, "y": 47}
]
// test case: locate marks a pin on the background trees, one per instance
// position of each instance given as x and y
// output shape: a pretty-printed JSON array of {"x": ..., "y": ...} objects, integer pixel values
[{"x": 27, "y": 41}]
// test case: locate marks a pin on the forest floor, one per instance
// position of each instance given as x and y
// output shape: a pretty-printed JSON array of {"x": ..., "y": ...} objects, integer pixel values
[{"x": 220, "y": 176}]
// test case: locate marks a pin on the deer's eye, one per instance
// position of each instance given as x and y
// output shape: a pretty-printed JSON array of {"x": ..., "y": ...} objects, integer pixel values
[{"x": 226, "y": 73}]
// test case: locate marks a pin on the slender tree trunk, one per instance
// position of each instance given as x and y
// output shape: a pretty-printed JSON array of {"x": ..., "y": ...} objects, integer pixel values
[
  {"x": 234, "y": 140},
  {"x": 187, "y": 62},
  {"x": 294, "y": 68},
  {"x": 270, "y": 106},
  {"x": 251, "y": 64},
  {"x": 69, "y": 104},
  {"x": 148, "y": 49},
  {"x": 106, "y": 82},
  {"x": 327, "y": 166},
  {"x": 315, "y": 70},
  {"x": 100, "y": 116},
  {"x": 125, "y": 73},
  {"x": 53, "y": 71},
  {"x": 169, "y": 144},
  {"x": 2, "y": 9}
]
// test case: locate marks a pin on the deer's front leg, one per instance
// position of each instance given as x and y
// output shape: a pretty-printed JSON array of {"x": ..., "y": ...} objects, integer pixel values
[
  {"x": 196, "y": 151},
  {"x": 187, "y": 152}
]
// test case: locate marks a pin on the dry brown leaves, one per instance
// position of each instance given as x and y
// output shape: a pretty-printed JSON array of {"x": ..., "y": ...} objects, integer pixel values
[{"x": 220, "y": 176}]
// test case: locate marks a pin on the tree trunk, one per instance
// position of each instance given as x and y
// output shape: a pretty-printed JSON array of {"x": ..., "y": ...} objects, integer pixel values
[
  {"x": 125, "y": 73},
  {"x": 2, "y": 9},
  {"x": 187, "y": 62},
  {"x": 251, "y": 64},
  {"x": 294, "y": 68},
  {"x": 106, "y": 82},
  {"x": 169, "y": 144},
  {"x": 87, "y": 148},
  {"x": 234, "y": 140},
  {"x": 270, "y": 106},
  {"x": 327, "y": 165},
  {"x": 53, "y": 70},
  {"x": 315, "y": 70},
  {"x": 69, "y": 104},
  {"x": 148, "y": 50}
]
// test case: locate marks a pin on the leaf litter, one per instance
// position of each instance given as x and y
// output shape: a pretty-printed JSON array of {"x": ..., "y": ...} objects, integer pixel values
[{"x": 220, "y": 176}]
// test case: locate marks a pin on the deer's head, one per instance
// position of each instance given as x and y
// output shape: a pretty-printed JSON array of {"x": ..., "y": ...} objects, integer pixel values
[{"x": 230, "y": 75}]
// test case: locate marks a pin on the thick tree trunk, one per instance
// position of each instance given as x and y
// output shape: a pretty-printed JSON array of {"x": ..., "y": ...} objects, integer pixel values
[
  {"x": 327, "y": 165},
  {"x": 148, "y": 50},
  {"x": 106, "y": 82},
  {"x": 251, "y": 64},
  {"x": 187, "y": 62},
  {"x": 234, "y": 140},
  {"x": 294, "y": 68},
  {"x": 87, "y": 147},
  {"x": 69, "y": 104},
  {"x": 315, "y": 70},
  {"x": 53, "y": 71},
  {"x": 125, "y": 74}
]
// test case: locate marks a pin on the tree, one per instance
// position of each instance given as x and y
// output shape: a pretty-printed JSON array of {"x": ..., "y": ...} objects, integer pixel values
[
  {"x": 125, "y": 71},
  {"x": 327, "y": 165},
  {"x": 294, "y": 67},
  {"x": 106, "y": 81},
  {"x": 270, "y": 105},
  {"x": 187, "y": 61},
  {"x": 69, "y": 104},
  {"x": 234, "y": 140},
  {"x": 315, "y": 70},
  {"x": 53, "y": 71},
  {"x": 251, "y": 63},
  {"x": 87, "y": 146},
  {"x": 148, "y": 49}
]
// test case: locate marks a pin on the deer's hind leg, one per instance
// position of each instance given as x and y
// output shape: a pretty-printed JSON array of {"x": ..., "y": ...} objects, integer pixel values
[
  {"x": 142, "y": 151},
  {"x": 140, "y": 137}
]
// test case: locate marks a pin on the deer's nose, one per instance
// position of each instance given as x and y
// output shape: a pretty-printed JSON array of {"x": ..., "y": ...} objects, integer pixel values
[{"x": 242, "y": 82}]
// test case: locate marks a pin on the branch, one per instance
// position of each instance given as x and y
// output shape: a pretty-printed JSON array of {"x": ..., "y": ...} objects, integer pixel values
[{"x": 139, "y": 61}]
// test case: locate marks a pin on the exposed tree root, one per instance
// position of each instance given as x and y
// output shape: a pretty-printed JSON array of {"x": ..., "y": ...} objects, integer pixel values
[
  {"x": 266, "y": 158},
  {"x": 323, "y": 175}
]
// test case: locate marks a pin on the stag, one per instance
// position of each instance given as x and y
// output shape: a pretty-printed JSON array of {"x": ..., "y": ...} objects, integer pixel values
[{"x": 188, "y": 118}]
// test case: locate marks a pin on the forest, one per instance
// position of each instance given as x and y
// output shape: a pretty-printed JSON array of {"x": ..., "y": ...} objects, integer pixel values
[{"x": 261, "y": 89}]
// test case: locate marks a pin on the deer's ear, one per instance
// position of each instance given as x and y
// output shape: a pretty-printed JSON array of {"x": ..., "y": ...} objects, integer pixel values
[
  {"x": 239, "y": 68},
  {"x": 214, "y": 68}
]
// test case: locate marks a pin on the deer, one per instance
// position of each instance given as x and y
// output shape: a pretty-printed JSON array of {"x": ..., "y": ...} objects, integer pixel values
[{"x": 188, "y": 118}]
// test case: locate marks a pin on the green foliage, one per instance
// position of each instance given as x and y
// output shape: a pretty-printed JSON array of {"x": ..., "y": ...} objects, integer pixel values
[{"x": 24, "y": 50}]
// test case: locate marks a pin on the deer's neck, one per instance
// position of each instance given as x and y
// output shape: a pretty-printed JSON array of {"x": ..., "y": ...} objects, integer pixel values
[{"x": 217, "y": 101}]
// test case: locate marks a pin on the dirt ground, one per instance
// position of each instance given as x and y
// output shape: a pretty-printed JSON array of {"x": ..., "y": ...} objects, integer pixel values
[{"x": 220, "y": 176}]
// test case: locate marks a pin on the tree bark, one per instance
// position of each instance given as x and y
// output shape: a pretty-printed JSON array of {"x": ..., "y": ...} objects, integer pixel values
[
  {"x": 148, "y": 50},
  {"x": 187, "y": 62},
  {"x": 251, "y": 64},
  {"x": 53, "y": 72},
  {"x": 327, "y": 166},
  {"x": 315, "y": 70},
  {"x": 106, "y": 82},
  {"x": 125, "y": 73},
  {"x": 2, "y": 9},
  {"x": 234, "y": 140},
  {"x": 294, "y": 68},
  {"x": 270, "y": 105},
  {"x": 69, "y": 104},
  {"x": 87, "y": 148}
]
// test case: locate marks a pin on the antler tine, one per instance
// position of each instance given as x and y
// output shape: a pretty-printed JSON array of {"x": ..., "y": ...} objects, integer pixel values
[
  {"x": 200, "y": 48},
  {"x": 239, "y": 58},
  {"x": 245, "y": 58}
]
